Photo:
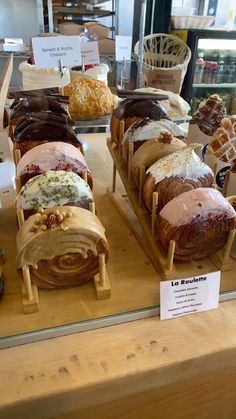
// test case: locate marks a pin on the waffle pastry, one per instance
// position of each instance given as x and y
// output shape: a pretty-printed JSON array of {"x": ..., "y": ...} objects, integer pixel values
[{"x": 209, "y": 114}]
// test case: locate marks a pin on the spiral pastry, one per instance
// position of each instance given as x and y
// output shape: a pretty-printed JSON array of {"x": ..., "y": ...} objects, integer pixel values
[
  {"x": 54, "y": 188},
  {"x": 198, "y": 220},
  {"x": 134, "y": 110},
  {"x": 153, "y": 150},
  {"x": 52, "y": 156},
  {"x": 174, "y": 174},
  {"x": 61, "y": 246},
  {"x": 144, "y": 130}
]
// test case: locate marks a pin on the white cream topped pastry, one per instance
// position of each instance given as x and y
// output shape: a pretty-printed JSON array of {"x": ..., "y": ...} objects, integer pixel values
[
  {"x": 53, "y": 188},
  {"x": 184, "y": 163},
  {"x": 40, "y": 78},
  {"x": 146, "y": 129},
  {"x": 98, "y": 72},
  {"x": 207, "y": 203}
]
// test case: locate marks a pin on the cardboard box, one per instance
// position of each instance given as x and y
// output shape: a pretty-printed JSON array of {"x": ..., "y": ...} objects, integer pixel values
[
  {"x": 100, "y": 30},
  {"x": 70, "y": 28},
  {"x": 163, "y": 78}
]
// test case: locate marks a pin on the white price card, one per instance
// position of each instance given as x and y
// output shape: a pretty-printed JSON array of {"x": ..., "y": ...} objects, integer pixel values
[
  {"x": 6, "y": 182},
  {"x": 180, "y": 297},
  {"x": 123, "y": 47},
  {"x": 5, "y": 151},
  {"x": 49, "y": 50},
  {"x": 90, "y": 53}
]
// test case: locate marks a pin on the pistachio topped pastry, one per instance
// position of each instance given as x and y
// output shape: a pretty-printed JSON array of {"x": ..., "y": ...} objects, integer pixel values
[{"x": 54, "y": 188}]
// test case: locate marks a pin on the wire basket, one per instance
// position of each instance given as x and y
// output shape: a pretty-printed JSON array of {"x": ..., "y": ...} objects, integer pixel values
[{"x": 165, "y": 53}]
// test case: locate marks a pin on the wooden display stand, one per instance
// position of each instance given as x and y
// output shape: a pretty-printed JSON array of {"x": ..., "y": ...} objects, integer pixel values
[
  {"x": 30, "y": 298},
  {"x": 164, "y": 264}
]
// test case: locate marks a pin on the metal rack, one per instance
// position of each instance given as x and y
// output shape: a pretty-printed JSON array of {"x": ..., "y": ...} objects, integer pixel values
[{"x": 75, "y": 10}]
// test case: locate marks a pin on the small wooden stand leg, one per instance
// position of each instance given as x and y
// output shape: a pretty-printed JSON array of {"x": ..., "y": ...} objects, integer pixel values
[
  {"x": 18, "y": 184},
  {"x": 114, "y": 178},
  {"x": 226, "y": 182},
  {"x": 101, "y": 280},
  {"x": 17, "y": 155},
  {"x": 85, "y": 175},
  {"x": 154, "y": 210},
  {"x": 20, "y": 216},
  {"x": 228, "y": 245},
  {"x": 222, "y": 258},
  {"x": 92, "y": 207},
  {"x": 141, "y": 181},
  {"x": 170, "y": 257},
  {"x": 130, "y": 157},
  {"x": 121, "y": 136},
  {"x": 29, "y": 293}
]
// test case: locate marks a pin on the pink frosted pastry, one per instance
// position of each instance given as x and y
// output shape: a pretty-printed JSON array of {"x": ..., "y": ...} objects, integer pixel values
[
  {"x": 52, "y": 156},
  {"x": 198, "y": 220}
]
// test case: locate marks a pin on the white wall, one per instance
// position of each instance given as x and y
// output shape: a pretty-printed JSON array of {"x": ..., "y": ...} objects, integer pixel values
[{"x": 19, "y": 19}]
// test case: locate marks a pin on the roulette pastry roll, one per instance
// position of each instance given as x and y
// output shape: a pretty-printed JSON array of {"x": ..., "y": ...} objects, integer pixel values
[
  {"x": 42, "y": 116},
  {"x": 130, "y": 111},
  {"x": 146, "y": 129},
  {"x": 54, "y": 188},
  {"x": 33, "y": 104},
  {"x": 40, "y": 132},
  {"x": 56, "y": 155},
  {"x": 152, "y": 150},
  {"x": 61, "y": 246},
  {"x": 174, "y": 174},
  {"x": 199, "y": 221}
]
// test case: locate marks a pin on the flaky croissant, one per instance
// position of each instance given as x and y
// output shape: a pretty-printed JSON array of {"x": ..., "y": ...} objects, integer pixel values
[
  {"x": 199, "y": 221},
  {"x": 174, "y": 174}
]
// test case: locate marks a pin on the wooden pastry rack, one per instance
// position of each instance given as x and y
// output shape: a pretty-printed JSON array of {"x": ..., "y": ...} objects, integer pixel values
[
  {"x": 30, "y": 297},
  {"x": 135, "y": 215}
]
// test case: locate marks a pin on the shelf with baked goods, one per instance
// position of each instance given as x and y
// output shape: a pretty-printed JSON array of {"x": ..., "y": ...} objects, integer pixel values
[{"x": 163, "y": 259}]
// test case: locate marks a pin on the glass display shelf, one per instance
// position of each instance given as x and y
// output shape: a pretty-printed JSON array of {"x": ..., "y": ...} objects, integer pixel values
[
  {"x": 135, "y": 284},
  {"x": 215, "y": 86}
]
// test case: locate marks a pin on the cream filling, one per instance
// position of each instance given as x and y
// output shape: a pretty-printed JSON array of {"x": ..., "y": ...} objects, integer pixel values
[
  {"x": 184, "y": 163},
  {"x": 152, "y": 130}
]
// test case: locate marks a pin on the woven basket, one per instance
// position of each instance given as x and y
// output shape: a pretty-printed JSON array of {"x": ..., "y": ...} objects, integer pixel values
[{"x": 165, "y": 52}]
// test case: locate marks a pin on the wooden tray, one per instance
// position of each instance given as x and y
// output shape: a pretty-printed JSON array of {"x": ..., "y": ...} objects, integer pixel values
[
  {"x": 134, "y": 281},
  {"x": 164, "y": 264}
]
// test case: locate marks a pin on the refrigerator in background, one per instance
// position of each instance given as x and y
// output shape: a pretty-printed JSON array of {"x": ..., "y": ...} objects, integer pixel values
[{"x": 212, "y": 68}]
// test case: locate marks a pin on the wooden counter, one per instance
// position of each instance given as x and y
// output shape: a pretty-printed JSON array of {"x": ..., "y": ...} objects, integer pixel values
[{"x": 183, "y": 368}]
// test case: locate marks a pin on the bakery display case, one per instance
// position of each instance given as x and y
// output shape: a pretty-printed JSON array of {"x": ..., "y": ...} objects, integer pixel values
[{"x": 212, "y": 68}]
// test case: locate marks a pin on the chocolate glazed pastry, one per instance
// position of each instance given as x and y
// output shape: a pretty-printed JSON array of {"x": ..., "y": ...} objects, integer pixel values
[
  {"x": 132, "y": 110},
  {"x": 34, "y": 104},
  {"x": 199, "y": 221},
  {"x": 62, "y": 247},
  {"x": 43, "y": 116},
  {"x": 42, "y": 132}
]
